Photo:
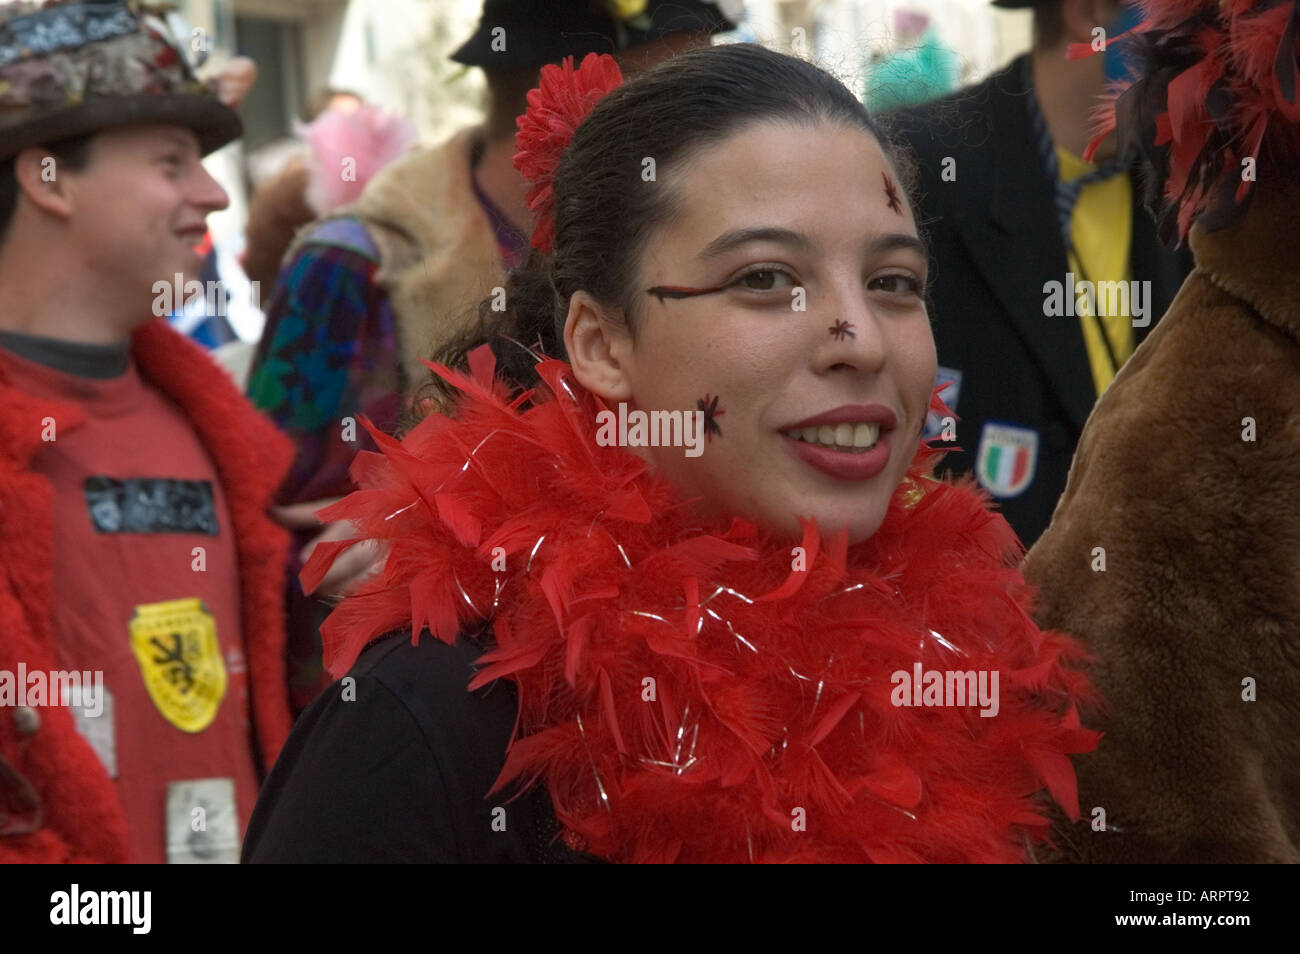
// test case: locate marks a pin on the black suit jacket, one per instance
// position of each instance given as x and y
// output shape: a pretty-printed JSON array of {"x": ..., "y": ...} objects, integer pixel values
[{"x": 995, "y": 241}]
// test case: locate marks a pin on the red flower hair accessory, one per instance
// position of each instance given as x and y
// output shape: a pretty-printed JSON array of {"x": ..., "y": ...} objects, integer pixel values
[{"x": 563, "y": 98}]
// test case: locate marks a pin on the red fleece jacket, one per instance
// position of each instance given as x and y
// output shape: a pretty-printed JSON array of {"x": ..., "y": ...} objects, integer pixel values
[{"x": 50, "y": 778}]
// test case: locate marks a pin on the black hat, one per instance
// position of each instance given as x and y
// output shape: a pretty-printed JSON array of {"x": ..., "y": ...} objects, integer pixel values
[{"x": 530, "y": 33}]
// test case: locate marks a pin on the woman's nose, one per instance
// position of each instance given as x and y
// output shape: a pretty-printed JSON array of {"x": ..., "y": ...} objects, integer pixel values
[{"x": 849, "y": 328}]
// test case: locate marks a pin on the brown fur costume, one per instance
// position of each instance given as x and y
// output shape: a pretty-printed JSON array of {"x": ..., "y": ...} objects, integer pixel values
[{"x": 1200, "y": 528}]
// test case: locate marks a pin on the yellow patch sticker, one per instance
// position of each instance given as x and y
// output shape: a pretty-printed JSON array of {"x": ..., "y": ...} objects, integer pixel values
[{"x": 175, "y": 643}]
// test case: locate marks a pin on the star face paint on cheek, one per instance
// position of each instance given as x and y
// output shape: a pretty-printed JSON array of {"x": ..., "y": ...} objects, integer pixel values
[
  {"x": 891, "y": 193},
  {"x": 709, "y": 405},
  {"x": 840, "y": 330}
]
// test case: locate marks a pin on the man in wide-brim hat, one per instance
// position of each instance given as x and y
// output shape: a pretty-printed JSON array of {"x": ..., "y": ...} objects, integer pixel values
[{"x": 140, "y": 578}]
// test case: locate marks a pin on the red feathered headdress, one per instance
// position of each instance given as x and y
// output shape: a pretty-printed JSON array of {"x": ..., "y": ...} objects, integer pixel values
[
  {"x": 559, "y": 104},
  {"x": 1215, "y": 89}
]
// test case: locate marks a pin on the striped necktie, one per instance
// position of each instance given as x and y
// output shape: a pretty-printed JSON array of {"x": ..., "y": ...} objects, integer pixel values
[{"x": 1067, "y": 193}]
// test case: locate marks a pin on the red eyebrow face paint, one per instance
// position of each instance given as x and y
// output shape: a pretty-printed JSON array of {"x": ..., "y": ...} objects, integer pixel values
[
  {"x": 841, "y": 330},
  {"x": 681, "y": 291},
  {"x": 891, "y": 193}
]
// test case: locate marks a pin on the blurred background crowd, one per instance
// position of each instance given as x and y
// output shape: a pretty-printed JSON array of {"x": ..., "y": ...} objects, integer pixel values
[{"x": 320, "y": 60}]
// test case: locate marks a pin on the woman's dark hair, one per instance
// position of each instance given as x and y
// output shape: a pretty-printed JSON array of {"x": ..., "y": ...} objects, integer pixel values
[
  {"x": 72, "y": 153},
  {"x": 605, "y": 213}
]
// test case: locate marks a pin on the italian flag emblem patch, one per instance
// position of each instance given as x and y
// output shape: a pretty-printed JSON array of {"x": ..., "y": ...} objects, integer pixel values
[{"x": 1006, "y": 459}]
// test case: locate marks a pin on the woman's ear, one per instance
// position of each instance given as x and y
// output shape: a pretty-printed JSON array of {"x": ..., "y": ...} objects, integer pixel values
[{"x": 599, "y": 348}]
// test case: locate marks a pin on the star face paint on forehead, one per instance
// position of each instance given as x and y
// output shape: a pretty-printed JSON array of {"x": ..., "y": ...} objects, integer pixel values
[
  {"x": 891, "y": 193},
  {"x": 840, "y": 330},
  {"x": 709, "y": 405}
]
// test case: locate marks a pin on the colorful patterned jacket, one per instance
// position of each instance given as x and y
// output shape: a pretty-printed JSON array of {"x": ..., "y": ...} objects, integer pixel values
[{"x": 363, "y": 295}]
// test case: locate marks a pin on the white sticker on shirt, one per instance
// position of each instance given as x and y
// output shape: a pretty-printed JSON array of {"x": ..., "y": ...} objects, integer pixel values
[
  {"x": 92, "y": 710},
  {"x": 202, "y": 826}
]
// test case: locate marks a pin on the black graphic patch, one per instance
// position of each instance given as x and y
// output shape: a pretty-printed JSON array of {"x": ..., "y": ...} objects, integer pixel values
[{"x": 151, "y": 505}]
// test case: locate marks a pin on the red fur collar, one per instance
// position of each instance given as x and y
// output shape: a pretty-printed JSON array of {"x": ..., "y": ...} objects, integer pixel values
[
  {"x": 83, "y": 818},
  {"x": 704, "y": 693}
]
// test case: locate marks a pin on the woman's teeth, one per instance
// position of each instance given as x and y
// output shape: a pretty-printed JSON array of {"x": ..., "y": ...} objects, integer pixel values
[{"x": 845, "y": 436}]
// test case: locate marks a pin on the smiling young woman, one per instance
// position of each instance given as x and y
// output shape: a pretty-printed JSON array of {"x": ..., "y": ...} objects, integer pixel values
[{"x": 685, "y": 657}]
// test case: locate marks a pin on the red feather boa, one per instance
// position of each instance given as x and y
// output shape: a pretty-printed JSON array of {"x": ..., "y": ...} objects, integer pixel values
[{"x": 684, "y": 693}]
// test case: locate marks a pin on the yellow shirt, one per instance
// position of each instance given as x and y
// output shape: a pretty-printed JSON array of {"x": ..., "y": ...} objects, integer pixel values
[{"x": 1101, "y": 228}]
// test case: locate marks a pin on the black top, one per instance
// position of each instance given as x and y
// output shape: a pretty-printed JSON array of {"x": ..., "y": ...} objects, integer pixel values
[
  {"x": 396, "y": 766},
  {"x": 995, "y": 239}
]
